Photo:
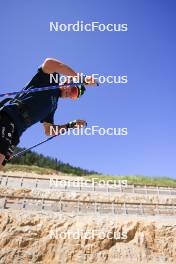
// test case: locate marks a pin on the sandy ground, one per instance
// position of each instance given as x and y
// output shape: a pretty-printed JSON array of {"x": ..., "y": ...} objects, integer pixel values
[{"x": 42, "y": 176}]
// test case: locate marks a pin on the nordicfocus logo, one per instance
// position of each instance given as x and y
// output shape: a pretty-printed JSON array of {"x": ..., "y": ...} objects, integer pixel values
[
  {"x": 76, "y": 183},
  {"x": 91, "y": 234},
  {"x": 88, "y": 27},
  {"x": 101, "y": 79},
  {"x": 89, "y": 131}
]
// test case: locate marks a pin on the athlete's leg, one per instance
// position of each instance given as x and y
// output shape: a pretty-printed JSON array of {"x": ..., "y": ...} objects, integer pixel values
[
  {"x": 2, "y": 157},
  {"x": 8, "y": 138}
]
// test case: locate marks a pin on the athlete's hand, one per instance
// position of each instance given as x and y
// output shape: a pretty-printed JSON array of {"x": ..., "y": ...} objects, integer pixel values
[
  {"x": 78, "y": 124},
  {"x": 89, "y": 80},
  {"x": 86, "y": 79}
]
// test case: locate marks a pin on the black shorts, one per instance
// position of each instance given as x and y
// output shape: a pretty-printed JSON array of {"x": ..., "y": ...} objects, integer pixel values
[{"x": 8, "y": 135}]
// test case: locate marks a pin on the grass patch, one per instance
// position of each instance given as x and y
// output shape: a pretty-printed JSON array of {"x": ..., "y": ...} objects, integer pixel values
[
  {"x": 26, "y": 168},
  {"x": 141, "y": 180},
  {"x": 138, "y": 179}
]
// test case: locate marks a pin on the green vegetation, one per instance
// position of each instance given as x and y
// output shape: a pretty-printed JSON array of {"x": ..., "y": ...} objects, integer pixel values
[
  {"x": 141, "y": 180},
  {"x": 32, "y": 158},
  {"x": 38, "y": 163}
]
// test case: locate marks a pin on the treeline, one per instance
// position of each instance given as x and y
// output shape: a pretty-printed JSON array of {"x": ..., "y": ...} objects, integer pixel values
[{"x": 33, "y": 158}]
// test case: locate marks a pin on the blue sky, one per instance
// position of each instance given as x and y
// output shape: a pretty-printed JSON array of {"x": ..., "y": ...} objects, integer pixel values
[{"x": 146, "y": 53}]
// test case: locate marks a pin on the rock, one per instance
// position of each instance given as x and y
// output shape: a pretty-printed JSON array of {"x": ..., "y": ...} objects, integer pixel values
[{"x": 50, "y": 238}]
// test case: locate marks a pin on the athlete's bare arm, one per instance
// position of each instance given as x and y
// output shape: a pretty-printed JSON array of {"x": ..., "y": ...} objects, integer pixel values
[
  {"x": 59, "y": 129},
  {"x": 52, "y": 65}
]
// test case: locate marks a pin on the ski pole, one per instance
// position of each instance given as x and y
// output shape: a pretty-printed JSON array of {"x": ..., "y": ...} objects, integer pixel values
[
  {"x": 19, "y": 154},
  {"x": 39, "y": 89}
]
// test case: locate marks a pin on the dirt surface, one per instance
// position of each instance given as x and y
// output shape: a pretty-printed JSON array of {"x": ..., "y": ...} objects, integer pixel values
[{"x": 28, "y": 237}]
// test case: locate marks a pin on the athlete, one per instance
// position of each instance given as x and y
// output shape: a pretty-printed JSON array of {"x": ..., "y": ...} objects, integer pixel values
[{"x": 29, "y": 108}]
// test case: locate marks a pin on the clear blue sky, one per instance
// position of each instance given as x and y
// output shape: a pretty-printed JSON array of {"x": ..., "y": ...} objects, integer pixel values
[{"x": 146, "y": 53}]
